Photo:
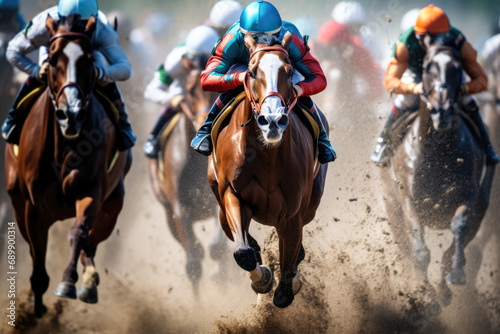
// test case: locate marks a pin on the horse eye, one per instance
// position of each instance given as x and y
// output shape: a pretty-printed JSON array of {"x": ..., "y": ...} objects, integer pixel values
[{"x": 251, "y": 74}]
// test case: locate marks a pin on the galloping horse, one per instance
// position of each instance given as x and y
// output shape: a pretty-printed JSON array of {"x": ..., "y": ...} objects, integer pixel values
[
  {"x": 67, "y": 164},
  {"x": 264, "y": 167},
  {"x": 178, "y": 177},
  {"x": 7, "y": 91},
  {"x": 438, "y": 177}
]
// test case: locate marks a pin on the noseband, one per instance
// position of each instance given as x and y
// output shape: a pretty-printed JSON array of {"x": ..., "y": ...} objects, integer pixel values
[
  {"x": 256, "y": 107},
  {"x": 55, "y": 97}
]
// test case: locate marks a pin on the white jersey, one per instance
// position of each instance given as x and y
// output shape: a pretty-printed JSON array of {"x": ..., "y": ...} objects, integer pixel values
[
  {"x": 490, "y": 55},
  {"x": 111, "y": 60},
  {"x": 170, "y": 79}
]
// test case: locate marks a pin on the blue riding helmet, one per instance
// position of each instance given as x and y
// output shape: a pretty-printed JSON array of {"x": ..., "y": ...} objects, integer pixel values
[
  {"x": 260, "y": 16},
  {"x": 86, "y": 8},
  {"x": 9, "y": 4}
]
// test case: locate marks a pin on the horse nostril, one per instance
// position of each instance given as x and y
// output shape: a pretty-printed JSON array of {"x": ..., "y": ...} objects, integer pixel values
[
  {"x": 283, "y": 121},
  {"x": 80, "y": 116},
  {"x": 61, "y": 115},
  {"x": 262, "y": 120}
]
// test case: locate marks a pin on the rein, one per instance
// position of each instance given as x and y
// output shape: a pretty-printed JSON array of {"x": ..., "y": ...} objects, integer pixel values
[
  {"x": 55, "y": 97},
  {"x": 255, "y": 106}
]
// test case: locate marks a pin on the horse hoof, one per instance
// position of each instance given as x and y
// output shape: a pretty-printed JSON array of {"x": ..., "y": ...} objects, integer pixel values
[
  {"x": 66, "y": 290},
  {"x": 265, "y": 285},
  {"x": 283, "y": 296},
  {"x": 296, "y": 283},
  {"x": 457, "y": 277},
  {"x": 246, "y": 259},
  {"x": 88, "y": 295}
]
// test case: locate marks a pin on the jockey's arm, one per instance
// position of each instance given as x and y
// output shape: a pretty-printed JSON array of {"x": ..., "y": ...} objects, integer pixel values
[
  {"x": 478, "y": 79},
  {"x": 215, "y": 78},
  {"x": 107, "y": 42},
  {"x": 157, "y": 89},
  {"x": 31, "y": 38},
  {"x": 308, "y": 66},
  {"x": 395, "y": 70}
]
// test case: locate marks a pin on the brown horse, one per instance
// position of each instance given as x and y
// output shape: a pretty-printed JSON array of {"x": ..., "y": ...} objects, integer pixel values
[
  {"x": 178, "y": 177},
  {"x": 67, "y": 164},
  {"x": 438, "y": 177},
  {"x": 264, "y": 167}
]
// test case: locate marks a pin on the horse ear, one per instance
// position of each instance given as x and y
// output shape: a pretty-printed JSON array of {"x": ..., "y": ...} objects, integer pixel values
[
  {"x": 90, "y": 27},
  {"x": 287, "y": 40},
  {"x": 250, "y": 42},
  {"x": 51, "y": 25}
]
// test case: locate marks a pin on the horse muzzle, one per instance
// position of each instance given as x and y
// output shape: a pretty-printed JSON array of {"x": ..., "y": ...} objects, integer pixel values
[
  {"x": 273, "y": 126},
  {"x": 70, "y": 122}
]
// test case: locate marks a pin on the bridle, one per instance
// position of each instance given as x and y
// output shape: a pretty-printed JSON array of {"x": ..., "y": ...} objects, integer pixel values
[
  {"x": 55, "y": 96},
  {"x": 255, "y": 106}
]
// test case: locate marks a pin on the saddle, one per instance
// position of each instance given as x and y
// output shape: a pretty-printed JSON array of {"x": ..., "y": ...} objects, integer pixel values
[{"x": 222, "y": 120}]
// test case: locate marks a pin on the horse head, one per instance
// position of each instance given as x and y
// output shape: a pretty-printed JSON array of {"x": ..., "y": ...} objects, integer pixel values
[
  {"x": 71, "y": 72},
  {"x": 268, "y": 83},
  {"x": 198, "y": 101},
  {"x": 442, "y": 79}
]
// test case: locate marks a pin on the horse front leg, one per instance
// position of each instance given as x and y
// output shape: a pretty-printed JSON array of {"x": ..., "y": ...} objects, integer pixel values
[
  {"x": 86, "y": 213},
  {"x": 291, "y": 254},
  {"x": 104, "y": 226},
  {"x": 37, "y": 237},
  {"x": 454, "y": 257},
  {"x": 421, "y": 260},
  {"x": 235, "y": 217}
]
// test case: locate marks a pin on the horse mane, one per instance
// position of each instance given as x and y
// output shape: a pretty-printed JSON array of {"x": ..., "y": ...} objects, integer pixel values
[
  {"x": 72, "y": 23},
  {"x": 266, "y": 39}
]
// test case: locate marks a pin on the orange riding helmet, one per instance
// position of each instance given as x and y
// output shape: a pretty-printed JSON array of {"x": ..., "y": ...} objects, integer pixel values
[{"x": 432, "y": 20}]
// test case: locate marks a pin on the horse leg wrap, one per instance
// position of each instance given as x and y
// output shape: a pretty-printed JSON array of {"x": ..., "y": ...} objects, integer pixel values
[{"x": 262, "y": 279}]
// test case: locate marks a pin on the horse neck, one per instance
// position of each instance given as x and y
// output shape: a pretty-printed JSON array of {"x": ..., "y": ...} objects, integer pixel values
[{"x": 428, "y": 135}]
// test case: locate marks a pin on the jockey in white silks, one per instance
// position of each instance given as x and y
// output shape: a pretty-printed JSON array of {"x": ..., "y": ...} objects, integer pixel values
[{"x": 110, "y": 62}]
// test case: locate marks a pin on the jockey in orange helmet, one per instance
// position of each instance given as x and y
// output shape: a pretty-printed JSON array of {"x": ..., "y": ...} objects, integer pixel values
[{"x": 409, "y": 53}]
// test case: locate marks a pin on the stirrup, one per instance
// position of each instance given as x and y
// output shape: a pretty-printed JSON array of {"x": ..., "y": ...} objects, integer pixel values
[
  {"x": 379, "y": 154},
  {"x": 151, "y": 148}
]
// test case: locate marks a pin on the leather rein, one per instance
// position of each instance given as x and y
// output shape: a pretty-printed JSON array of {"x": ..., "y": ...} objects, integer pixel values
[
  {"x": 256, "y": 106},
  {"x": 55, "y": 97}
]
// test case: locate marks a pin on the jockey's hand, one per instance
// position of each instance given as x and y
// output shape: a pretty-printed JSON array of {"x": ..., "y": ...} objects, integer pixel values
[
  {"x": 298, "y": 89},
  {"x": 242, "y": 76},
  {"x": 416, "y": 89},
  {"x": 44, "y": 72},
  {"x": 175, "y": 101}
]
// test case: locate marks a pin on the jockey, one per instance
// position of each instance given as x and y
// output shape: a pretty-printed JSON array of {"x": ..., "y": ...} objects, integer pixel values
[
  {"x": 169, "y": 79},
  {"x": 409, "y": 52},
  {"x": 10, "y": 18},
  {"x": 353, "y": 55},
  {"x": 259, "y": 16},
  {"x": 352, "y": 14},
  {"x": 111, "y": 64}
]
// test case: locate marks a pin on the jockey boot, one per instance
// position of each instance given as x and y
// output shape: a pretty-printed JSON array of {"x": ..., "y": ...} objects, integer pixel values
[
  {"x": 152, "y": 146},
  {"x": 472, "y": 110},
  {"x": 11, "y": 128},
  {"x": 326, "y": 153},
  {"x": 126, "y": 137},
  {"x": 202, "y": 142},
  {"x": 380, "y": 154}
]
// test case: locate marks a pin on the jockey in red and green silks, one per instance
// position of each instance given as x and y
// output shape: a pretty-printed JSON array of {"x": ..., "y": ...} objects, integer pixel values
[
  {"x": 110, "y": 62},
  {"x": 260, "y": 17}
]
